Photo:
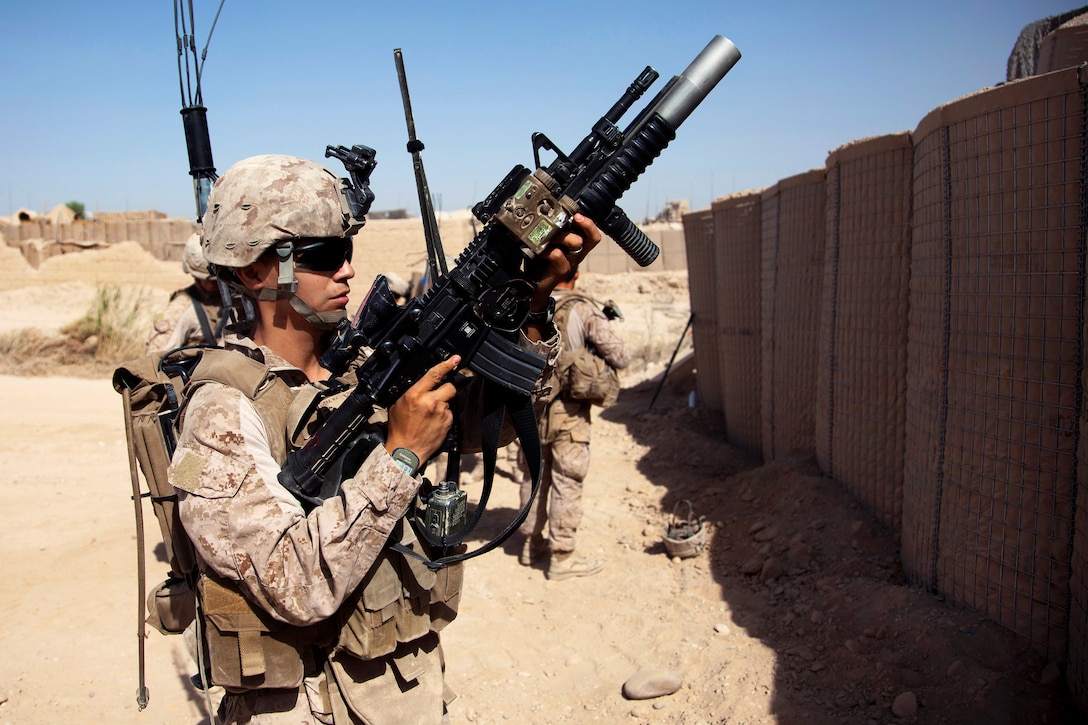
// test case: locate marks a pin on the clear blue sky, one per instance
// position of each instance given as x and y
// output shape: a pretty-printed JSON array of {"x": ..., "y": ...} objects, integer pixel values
[{"x": 92, "y": 96}]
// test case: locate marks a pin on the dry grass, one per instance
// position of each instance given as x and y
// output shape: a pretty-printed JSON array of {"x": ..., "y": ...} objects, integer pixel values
[{"x": 112, "y": 330}]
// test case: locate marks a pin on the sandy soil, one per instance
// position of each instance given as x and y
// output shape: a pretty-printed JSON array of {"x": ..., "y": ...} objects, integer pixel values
[{"x": 795, "y": 612}]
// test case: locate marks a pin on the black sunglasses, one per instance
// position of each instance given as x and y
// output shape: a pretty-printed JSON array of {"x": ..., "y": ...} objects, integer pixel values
[{"x": 323, "y": 255}]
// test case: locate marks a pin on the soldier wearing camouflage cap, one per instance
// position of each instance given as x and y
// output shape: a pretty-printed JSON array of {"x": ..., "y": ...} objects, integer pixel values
[
  {"x": 280, "y": 205},
  {"x": 310, "y": 615},
  {"x": 399, "y": 287},
  {"x": 194, "y": 315}
]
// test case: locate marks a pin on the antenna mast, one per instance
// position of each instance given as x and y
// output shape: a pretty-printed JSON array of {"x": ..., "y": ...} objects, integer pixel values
[
  {"x": 194, "y": 115},
  {"x": 436, "y": 257}
]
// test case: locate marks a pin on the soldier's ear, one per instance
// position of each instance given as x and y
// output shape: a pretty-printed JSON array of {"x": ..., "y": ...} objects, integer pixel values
[{"x": 251, "y": 276}]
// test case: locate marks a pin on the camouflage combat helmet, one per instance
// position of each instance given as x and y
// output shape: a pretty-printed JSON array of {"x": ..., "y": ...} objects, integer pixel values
[
  {"x": 397, "y": 284},
  {"x": 192, "y": 259},
  {"x": 275, "y": 201},
  {"x": 266, "y": 199}
]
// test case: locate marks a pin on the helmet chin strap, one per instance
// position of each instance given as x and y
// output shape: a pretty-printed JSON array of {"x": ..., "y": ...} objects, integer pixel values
[
  {"x": 285, "y": 289},
  {"x": 288, "y": 284},
  {"x": 320, "y": 320}
]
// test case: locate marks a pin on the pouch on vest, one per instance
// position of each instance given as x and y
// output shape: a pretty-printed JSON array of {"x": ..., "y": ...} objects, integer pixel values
[
  {"x": 582, "y": 374},
  {"x": 248, "y": 649},
  {"x": 171, "y": 606},
  {"x": 400, "y": 601},
  {"x": 405, "y": 687},
  {"x": 587, "y": 376},
  {"x": 446, "y": 593}
]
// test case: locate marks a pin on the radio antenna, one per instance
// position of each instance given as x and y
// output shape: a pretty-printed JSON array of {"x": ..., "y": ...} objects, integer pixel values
[
  {"x": 194, "y": 115},
  {"x": 436, "y": 257}
]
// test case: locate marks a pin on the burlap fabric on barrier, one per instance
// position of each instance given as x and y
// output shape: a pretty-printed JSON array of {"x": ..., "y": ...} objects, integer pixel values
[
  {"x": 702, "y": 260},
  {"x": 863, "y": 321},
  {"x": 791, "y": 276},
  {"x": 737, "y": 235},
  {"x": 995, "y": 358}
]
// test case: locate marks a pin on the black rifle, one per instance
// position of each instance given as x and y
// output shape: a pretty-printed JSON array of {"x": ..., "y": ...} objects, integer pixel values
[{"x": 477, "y": 309}]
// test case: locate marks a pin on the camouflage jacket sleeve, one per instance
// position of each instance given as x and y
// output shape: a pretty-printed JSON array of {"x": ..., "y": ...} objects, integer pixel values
[{"x": 248, "y": 528}]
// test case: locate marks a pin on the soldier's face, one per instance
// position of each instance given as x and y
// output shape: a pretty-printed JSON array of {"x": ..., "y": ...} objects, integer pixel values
[
  {"x": 323, "y": 273},
  {"x": 206, "y": 285}
]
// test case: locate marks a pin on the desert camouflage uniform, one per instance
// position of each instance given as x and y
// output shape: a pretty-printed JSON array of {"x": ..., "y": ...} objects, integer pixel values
[
  {"x": 315, "y": 573},
  {"x": 564, "y": 434},
  {"x": 178, "y": 323}
]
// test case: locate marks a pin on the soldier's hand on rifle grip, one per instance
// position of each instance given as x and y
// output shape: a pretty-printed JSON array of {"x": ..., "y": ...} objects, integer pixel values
[
  {"x": 421, "y": 418},
  {"x": 556, "y": 264}
]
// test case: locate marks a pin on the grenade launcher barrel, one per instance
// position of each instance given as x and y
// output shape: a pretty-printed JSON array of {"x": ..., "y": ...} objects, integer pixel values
[{"x": 537, "y": 206}]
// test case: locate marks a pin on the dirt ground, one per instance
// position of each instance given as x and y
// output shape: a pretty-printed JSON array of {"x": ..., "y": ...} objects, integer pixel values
[{"x": 796, "y": 611}]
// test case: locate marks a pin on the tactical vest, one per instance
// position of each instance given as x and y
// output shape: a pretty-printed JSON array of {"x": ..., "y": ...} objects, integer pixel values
[{"x": 400, "y": 600}]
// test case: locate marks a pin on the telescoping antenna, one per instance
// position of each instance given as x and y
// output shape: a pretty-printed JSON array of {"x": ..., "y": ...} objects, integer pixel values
[
  {"x": 436, "y": 257},
  {"x": 194, "y": 115}
]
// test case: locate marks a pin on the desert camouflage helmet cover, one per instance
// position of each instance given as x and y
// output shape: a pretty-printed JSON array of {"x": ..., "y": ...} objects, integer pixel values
[
  {"x": 397, "y": 284},
  {"x": 192, "y": 258},
  {"x": 265, "y": 199}
]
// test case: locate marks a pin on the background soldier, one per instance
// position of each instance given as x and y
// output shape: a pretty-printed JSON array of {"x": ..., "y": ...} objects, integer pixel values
[
  {"x": 564, "y": 434},
  {"x": 399, "y": 287},
  {"x": 194, "y": 315}
]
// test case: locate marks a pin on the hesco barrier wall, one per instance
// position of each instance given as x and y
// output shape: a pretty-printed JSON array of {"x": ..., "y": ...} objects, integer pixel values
[
  {"x": 969, "y": 389},
  {"x": 736, "y": 229},
  {"x": 608, "y": 258},
  {"x": 158, "y": 236},
  {"x": 862, "y": 374},
  {"x": 161, "y": 238},
  {"x": 1066, "y": 46},
  {"x": 791, "y": 276},
  {"x": 702, "y": 265},
  {"x": 995, "y": 353}
]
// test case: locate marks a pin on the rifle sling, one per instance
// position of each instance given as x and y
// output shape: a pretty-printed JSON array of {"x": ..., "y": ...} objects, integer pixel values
[
  {"x": 498, "y": 402},
  {"x": 202, "y": 316}
]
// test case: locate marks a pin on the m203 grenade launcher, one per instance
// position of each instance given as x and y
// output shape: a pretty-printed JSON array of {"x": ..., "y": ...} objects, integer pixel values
[
  {"x": 477, "y": 308},
  {"x": 535, "y": 207}
]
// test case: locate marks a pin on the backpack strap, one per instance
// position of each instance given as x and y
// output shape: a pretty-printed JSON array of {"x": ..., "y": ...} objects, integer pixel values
[
  {"x": 201, "y": 315},
  {"x": 568, "y": 296},
  {"x": 233, "y": 369},
  {"x": 149, "y": 402},
  {"x": 270, "y": 394}
]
